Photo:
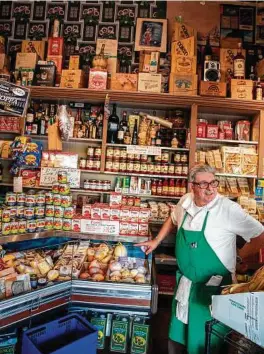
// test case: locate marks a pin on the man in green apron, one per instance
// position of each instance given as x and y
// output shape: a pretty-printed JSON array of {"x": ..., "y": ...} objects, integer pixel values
[{"x": 205, "y": 250}]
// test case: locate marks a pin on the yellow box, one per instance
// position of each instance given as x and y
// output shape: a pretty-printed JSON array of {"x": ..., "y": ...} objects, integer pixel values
[
  {"x": 124, "y": 82},
  {"x": 186, "y": 47},
  {"x": 149, "y": 82},
  {"x": 242, "y": 89},
  {"x": 74, "y": 63},
  {"x": 183, "y": 65},
  {"x": 72, "y": 73},
  {"x": 183, "y": 84},
  {"x": 34, "y": 47},
  {"x": 26, "y": 60},
  {"x": 182, "y": 31}
]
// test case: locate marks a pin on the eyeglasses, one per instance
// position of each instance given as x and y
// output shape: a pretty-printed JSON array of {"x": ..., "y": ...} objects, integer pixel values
[{"x": 205, "y": 185}]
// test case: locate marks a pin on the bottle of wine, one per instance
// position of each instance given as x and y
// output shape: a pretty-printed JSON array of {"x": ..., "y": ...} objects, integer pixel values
[
  {"x": 239, "y": 64},
  {"x": 135, "y": 134},
  {"x": 113, "y": 123}
]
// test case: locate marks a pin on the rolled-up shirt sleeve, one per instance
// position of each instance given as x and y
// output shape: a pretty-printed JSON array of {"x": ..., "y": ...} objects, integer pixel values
[
  {"x": 243, "y": 224},
  {"x": 175, "y": 214}
]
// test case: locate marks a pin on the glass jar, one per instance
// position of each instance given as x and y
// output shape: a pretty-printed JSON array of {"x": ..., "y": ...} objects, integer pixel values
[
  {"x": 164, "y": 169},
  {"x": 96, "y": 164},
  {"x": 116, "y": 153},
  {"x": 130, "y": 157},
  {"x": 177, "y": 157},
  {"x": 123, "y": 154},
  {"x": 143, "y": 158},
  {"x": 115, "y": 167},
  {"x": 109, "y": 165},
  {"x": 184, "y": 157},
  {"x": 136, "y": 168},
  {"x": 151, "y": 168},
  {"x": 136, "y": 157},
  {"x": 122, "y": 166},
  {"x": 89, "y": 163},
  {"x": 171, "y": 169},
  {"x": 144, "y": 167},
  {"x": 130, "y": 166},
  {"x": 178, "y": 169},
  {"x": 93, "y": 184},
  {"x": 90, "y": 151},
  {"x": 165, "y": 156},
  {"x": 185, "y": 169},
  {"x": 109, "y": 153},
  {"x": 157, "y": 168},
  {"x": 98, "y": 152},
  {"x": 157, "y": 158},
  {"x": 82, "y": 163}
]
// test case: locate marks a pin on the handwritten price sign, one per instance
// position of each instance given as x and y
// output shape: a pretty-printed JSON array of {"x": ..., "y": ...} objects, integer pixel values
[{"x": 49, "y": 175}]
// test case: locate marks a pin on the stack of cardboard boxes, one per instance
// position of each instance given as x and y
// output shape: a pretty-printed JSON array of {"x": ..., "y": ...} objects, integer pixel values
[{"x": 183, "y": 78}]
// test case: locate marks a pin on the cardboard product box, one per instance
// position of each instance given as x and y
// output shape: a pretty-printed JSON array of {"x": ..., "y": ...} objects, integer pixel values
[
  {"x": 34, "y": 47},
  {"x": 225, "y": 73},
  {"x": 26, "y": 60},
  {"x": 73, "y": 74},
  {"x": 4, "y": 60},
  {"x": 74, "y": 63},
  {"x": 230, "y": 42},
  {"x": 110, "y": 52},
  {"x": 71, "y": 83},
  {"x": 182, "y": 31},
  {"x": 124, "y": 82},
  {"x": 242, "y": 89},
  {"x": 227, "y": 57},
  {"x": 183, "y": 65},
  {"x": 97, "y": 79},
  {"x": 149, "y": 61},
  {"x": 211, "y": 88},
  {"x": 55, "y": 46},
  {"x": 57, "y": 59},
  {"x": 149, "y": 82},
  {"x": 183, "y": 84},
  {"x": 185, "y": 47},
  {"x": 44, "y": 75}
]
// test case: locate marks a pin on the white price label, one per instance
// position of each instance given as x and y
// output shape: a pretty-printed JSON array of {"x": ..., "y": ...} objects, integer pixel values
[
  {"x": 49, "y": 175},
  {"x": 143, "y": 150},
  {"x": 103, "y": 227},
  {"x": 17, "y": 183},
  {"x": 252, "y": 317}
]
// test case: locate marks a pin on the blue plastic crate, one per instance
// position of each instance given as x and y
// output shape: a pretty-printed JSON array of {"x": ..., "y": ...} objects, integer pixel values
[{"x": 67, "y": 335}]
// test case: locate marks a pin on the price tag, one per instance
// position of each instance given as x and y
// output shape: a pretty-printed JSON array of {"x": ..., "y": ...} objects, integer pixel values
[
  {"x": 137, "y": 149},
  {"x": 154, "y": 150},
  {"x": 252, "y": 317},
  {"x": 49, "y": 175},
  {"x": 17, "y": 185}
]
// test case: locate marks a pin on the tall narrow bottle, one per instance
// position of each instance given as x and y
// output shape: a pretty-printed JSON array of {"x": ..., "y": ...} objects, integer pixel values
[
  {"x": 239, "y": 64},
  {"x": 259, "y": 91},
  {"x": 113, "y": 123}
]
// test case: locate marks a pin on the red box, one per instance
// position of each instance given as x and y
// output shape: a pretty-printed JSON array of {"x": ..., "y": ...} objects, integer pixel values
[
  {"x": 125, "y": 213},
  {"x": 133, "y": 228},
  {"x": 76, "y": 223},
  {"x": 57, "y": 59},
  {"x": 212, "y": 131},
  {"x": 55, "y": 46},
  {"x": 143, "y": 229},
  {"x": 201, "y": 130},
  {"x": 97, "y": 79},
  {"x": 9, "y": 124},
  {"x": 86, "y": 210},
  {"x": 115, "y": 199},
  {"x": 96, "y": 212},
  {"x": 115, "y": 213},
  {"x": 105, "y": 212},
  {"x": 123, "y": 228},
  {"x": 166, "y": 283}
]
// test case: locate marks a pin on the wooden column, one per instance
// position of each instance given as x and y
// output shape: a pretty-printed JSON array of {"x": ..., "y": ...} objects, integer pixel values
[
  {"x": 105, "y": 126},
  {"x": 261, "y": 144},
  {"x": 193, "y": 125}
]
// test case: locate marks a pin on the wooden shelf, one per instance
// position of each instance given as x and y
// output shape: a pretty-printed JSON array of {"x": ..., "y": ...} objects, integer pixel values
[
  {"x": 71, "y": 140},
  {"x": 234, "y": 175},
  {"x": 144, "y": 175},
  {"x": 162, "y": 147},
  {"x": 153, "y": 99},
  {"x": 224, "y": 141}
]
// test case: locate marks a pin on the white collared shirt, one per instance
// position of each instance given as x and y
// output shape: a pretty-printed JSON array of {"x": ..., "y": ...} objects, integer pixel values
[{"x": 226, "y": 219}]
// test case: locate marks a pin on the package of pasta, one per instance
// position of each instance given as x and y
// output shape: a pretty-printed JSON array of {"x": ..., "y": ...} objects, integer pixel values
[
  {"x": 243, "y": 201},
  {"x": 209, "y": 156},
  {"x": 232, "y": 186},
  {"x": 231, "y": 159},
  {"x": 217, "y": 159},
  {"x": 201, "y": 157},
  {"x": 249, "y": 161},
  {"x": 243, "y": 186},
  {"x": 222, "y": 185}
]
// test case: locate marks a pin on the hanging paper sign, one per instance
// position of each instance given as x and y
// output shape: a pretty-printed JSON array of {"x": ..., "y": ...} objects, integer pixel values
[
  {"x": 13, "y": 99},
  {"x": 49, "y": 175}
]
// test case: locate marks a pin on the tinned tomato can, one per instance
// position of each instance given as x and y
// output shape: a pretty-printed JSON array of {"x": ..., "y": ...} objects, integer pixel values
[
  {"x": 39, "y": 212},
  {"x": 40, "y": 224},
  {"x": 21, "y": 198},
  {"x": 49, "y": 211},
  {"x": 20, "y": 212},
  {"x": 58, "y": 211},
  {"x": 56, "y": 199},
  {"x": 14, "y": 227},
  {"x": 55, "y": 188},
  {"x": 29, "y": 213},
  {"x": 49, "y": 198},
  {"x": 40, "y": 199},
  {"x": 10, "y": 199},
  {"x": 68, "y": 213},
  {"x": 66, "y": 201},
  {"x": 57, "y": 223},
  {"x": 49, "y": 223},
  {"x": 22, "y": 226},
  {"x": 30, "y": 200},
  {"x": 64, "y": 189},
  {"x": 31, "y": 226},
  {"x": 66, "y": 224},
  {"x": 6, "y": 215},
  {"x": 62, "y": 177},
  {"x": 6, "y": 228}
]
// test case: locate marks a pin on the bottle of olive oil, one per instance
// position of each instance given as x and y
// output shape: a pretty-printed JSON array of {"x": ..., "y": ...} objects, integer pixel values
[
  {"x": 99, "y": 320},
  {"x": 140, "y": 336}
]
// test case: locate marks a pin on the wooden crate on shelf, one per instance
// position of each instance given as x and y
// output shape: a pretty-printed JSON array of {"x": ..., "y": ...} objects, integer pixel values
[
  {"x": 242, "y": 89},
  {"x": 210, "y": 88},
  {"x": 183, "y": 84}
]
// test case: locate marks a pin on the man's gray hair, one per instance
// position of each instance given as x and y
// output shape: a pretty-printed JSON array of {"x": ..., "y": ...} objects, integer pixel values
[{"x": 199, "y": 169}]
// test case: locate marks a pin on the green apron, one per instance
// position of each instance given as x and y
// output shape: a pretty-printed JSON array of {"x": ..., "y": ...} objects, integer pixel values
[{"x": 198, "y": 262}]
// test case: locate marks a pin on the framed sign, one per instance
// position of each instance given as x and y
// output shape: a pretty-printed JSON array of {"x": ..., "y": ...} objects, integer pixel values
[
  {"x": 5, "y": 10},
  {"x": 56, "y": 10},
  {"x": 49, "y": 175},
  {"x": 72, "y": 31},
  {"x": 91, "y": 13},
  {"x": 73, "y": 13},
  {"x": 14, "y": 99},
  {"x": 22, "y": 11},
  {"x": 37, "y": 30},
  {"x": 151, "y": 34},
  {"x": 6, "y": 28},
  {"x": 107, "y": 30},
  {"x": 39, "y": 11},
  {"x": 20, "y": 30},
  {"x": 108, "y": 11},
  {"x": 89, "y": 32}
]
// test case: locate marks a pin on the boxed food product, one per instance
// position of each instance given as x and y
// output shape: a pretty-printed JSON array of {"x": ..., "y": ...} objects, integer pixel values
[
  {"x": 115, "y": 213},
  {"x": 249, "y": 161},
  {"x": 59, "y": 159},
  {"x": 124, "y": 228},
  {"x": 231, "y": 159},
  {"x": 124, "y": 82},
  {"x": 44, "y": 75},
  {"x": 183, "y": 65},
  {"x": 148, "y": 82},
  {"x": 115, "y": 199},
  {"x": 105, "y": 212},
  {"x": 227, "y": 57},
  {"x": 26, "y": 60},
  {"x": 133, "y": 228},
  {"x": 143, "y": 229},
  {"x": 34, "y": 47},
  {"x": 232, "y": 186},
  {"x": 55, "y": 46},
  {"x": 29, "y": 178},
  {"x": 242, "y": 130},
  {"x": 97, "y": 79},
  {"x": 125, "y": 213},
  {"x": 9, "y": 124},
  {"x": 144, "y": 214},
  {"x": 134, "y": 214},
  {"x": 110, "y": 50},
  {"x": 76, "y": 224},
  {"x": 74, "y": 63},
  {"x": 96, "y": 211},
  {"x": 184, "y": 47},
  {"x": 183, "y": 84},
  {"x": 86, "y": 210},
  {"x": 242, "y": 89}
]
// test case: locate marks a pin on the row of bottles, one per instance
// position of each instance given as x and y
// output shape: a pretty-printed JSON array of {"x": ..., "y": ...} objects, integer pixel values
[
  {"x": 133, "y": 130},
  {"x": 85, "y": 123},
  {"x": 171, "y": 187}
]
